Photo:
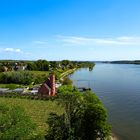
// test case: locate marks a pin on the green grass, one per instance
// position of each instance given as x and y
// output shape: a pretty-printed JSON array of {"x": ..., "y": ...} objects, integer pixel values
[
  {"x": 33, "y": 72},
  {"x": 38, "y": 110},
  {"x": 39, "y": 72},
  {"x": 11, "y": 86}
]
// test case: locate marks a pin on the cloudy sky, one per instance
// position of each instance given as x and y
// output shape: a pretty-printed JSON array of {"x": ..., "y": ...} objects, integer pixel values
[{"x": 70, "y": 29}]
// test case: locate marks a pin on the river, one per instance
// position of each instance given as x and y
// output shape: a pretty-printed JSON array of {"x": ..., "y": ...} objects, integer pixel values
[{"x": 118, "y": 87}]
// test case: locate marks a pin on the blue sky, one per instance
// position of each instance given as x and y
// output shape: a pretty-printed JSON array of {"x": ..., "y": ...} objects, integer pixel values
[{"x": 70, "y": 29}]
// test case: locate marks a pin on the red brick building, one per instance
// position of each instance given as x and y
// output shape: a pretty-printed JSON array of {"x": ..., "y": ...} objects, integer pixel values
[{"x": 48, "y": 87}]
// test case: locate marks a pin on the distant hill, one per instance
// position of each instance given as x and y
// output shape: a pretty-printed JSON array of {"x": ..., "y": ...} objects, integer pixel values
[{"x": 124, "y": 62}]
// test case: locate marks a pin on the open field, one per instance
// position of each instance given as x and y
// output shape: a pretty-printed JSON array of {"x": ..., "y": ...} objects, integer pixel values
[{"x": 38, "y": 110}]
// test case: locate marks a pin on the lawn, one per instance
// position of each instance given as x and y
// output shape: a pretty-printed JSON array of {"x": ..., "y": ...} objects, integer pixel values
[{"x": 38, "y": 110}]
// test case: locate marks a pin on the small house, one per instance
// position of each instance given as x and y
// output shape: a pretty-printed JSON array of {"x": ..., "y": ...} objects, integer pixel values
[{"x": 48, "y": 87}]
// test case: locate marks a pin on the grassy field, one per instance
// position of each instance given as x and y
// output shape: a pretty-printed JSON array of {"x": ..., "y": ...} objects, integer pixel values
[
  {"x": 38, "y": 110},
  {"x": 40, "y": 72},
  {"x": 11, "y": 86}
]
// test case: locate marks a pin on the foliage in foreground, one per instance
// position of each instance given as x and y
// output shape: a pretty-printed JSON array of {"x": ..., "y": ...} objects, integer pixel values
[
  {"x": 37, "y": 110},
  {"x": 14, "y": 124},
  {"x": 84, "y": 117}
]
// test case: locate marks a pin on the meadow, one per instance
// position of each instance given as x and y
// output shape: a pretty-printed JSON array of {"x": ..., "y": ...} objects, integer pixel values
[{"x": 37, "y": 110}]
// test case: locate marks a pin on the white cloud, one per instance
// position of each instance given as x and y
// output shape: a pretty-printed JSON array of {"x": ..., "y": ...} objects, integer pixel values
[
  {"x": 12, "y": 50},
  {"x": 119, "y": 41},
  {"x": 9, "y": 49},
  {"x": 17, "y": 50},
  {"x": 39, "y": 42}
]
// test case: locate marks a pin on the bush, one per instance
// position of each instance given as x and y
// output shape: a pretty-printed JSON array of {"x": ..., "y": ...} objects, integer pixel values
[
  {"x": 14, "y": 124},
  {"x": 67, "y": 81},
  {"x": 21, "y": 77}
]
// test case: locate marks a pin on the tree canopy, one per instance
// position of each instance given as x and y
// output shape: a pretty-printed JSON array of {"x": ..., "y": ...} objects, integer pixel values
[{"x": 84, "y": 117}]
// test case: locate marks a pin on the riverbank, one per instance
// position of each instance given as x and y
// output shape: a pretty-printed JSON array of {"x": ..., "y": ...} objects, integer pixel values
[{"x": 66, "y": 73}]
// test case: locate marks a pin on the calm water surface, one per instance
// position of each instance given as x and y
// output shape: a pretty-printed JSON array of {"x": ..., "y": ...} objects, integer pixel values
[{"x": 118, "y": 86}]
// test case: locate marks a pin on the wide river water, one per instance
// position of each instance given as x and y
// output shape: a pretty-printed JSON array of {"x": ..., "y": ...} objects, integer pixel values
[{"x": 118, "y": 87}]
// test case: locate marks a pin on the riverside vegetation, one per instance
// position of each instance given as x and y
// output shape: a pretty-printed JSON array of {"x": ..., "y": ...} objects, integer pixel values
[{"x": 70, "y": 115}]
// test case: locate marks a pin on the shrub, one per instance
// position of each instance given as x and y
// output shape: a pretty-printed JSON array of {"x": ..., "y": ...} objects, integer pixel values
[
  {"x": 67, "y": 81},
  {"x": 21, "y": 77},
  {"x": 14, "y": 124}
]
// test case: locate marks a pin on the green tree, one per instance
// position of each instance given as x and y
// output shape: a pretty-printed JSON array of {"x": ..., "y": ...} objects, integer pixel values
[
  {"x": 53, "y": 64},
  {"x": 14, "y": 124},
  {"x": 57, "y": 127},
  {"x": 31, "y": 66},
  {"x": 2, "y": 68},
  {"x": 42, "y": 65},
  {"x": 65, "y": 63},
  {"x": 67, "y": 81},
  {"x": 18, "y": 77},
  {"x": 84, "y": 116}
]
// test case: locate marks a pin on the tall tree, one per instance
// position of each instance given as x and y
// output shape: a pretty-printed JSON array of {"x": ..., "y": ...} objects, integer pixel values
[
  {"x": 84, "y": 117},
  {"x": 42, "y": 65}
]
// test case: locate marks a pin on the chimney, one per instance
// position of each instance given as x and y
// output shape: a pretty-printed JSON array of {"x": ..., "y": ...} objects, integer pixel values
[{"x": 52, "y": 84}]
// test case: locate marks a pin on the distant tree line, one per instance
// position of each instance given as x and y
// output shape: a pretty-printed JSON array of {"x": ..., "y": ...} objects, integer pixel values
[
  {"x": 42, "y": 65},
  {"x": 124, "y": 62},
  {"x": 9, "y": 72}
]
